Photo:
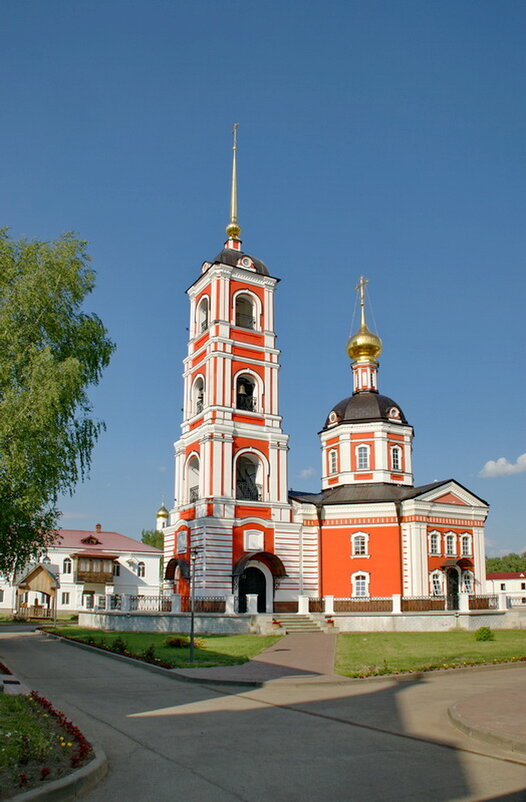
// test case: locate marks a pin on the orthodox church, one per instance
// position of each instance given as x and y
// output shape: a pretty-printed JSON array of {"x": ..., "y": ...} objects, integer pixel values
[{"x": 369, "y": 534}]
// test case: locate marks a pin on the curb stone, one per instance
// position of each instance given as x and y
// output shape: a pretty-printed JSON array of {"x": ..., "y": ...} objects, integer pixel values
[{"x": 484, "y": 734}]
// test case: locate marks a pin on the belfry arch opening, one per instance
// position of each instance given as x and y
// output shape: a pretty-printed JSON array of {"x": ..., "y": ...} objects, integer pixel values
[
  {"x": 192, "y": 477},
  {"x": 249, "y": 478},
  {"x": 198, "y": 396},
  {"x": 246, "y": 393},
  {"x": 245, "y": 312},
  {"x": 202, "y": 317}
]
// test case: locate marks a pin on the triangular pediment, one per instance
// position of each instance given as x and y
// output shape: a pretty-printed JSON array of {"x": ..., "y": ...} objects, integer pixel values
[{"x": 451, "y": 492}]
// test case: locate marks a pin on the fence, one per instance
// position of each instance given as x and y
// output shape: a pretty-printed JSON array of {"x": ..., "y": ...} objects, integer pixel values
[
  {"x": 286, "y": 607},
  {"x": 483, "y": 602},
  {"x": 212, "y": 604},
  {"x": 150, "y": 604},
  {"x": 35, "y": 611},
  {"x": 317, "y": 605},
  {"x": 359, "y": 604},
  {"x": 422, "y": 604}
]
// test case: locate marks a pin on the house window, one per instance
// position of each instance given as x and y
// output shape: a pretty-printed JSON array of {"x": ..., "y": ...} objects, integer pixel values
[
  {"x": 503, "y": 586},
  {"x": 467, "y": 582},
  {"x": 359, "y": 544},
  {"x": 248, "y": 478},
  {"x": 333, "y": 461},
  {"x": 436, "y": 583},
  {"x": 362, "y": 454},
  {"x": 141, "y": 570},
  {"x": 66, "y": 566},
  {"x": 396, "y": 458},
  {"x": 245, "y": 393},
  {"x": 64, "y": 599},
  {"x": 116, "y": 569},
  {"x": 434, "y": 543},
  {"x": 360, "y": 584},
  {"x": 1, "y": 595},
  {"x": 450, "y": 545},
  {"x": 244, "y": 312},
  {"x": 523, "y": 585},
  {"x": 466, "y": 545}
]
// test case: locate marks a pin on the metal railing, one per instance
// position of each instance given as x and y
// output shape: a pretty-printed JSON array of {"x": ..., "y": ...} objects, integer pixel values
[
  {"x": 245, "y": 321},
  {"x": 246, "y": 491},
  {"x": 212, "y": 604},
  {"x": 285, "y": 606},
  {"x": 422, "y": 604},
  {"x": 483, "y": 603},
  {"x": 116, "y": 601},
  {"x": 363, "y": 604},
  {"x": 247, "y": 402},
  {"x": 150, "y": 604}
]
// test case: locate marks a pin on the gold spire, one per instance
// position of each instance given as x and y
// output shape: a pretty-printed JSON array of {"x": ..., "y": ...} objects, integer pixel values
[
  {"x": 233, "y": 230},
  {"x": 363, "y": 345}
]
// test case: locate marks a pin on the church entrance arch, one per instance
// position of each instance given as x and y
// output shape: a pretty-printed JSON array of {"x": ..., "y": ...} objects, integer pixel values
[
  {"x": 253, "y": 581},
  {"x": 452, "y": 588}
]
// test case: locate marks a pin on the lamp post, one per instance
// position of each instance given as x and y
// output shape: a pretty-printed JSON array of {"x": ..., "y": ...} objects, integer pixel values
[{"x": 193, "y": 558}]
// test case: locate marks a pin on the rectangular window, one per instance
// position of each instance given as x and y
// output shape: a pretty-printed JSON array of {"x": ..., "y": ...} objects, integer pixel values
[
  {"x": 437, "y": 585},
  {"x": 360, "y": 586},
  {"x": 434, "y": 544},
  {"x": 116, "y": 569},
  {"x": 450, "y": 545},
  {"x": 359, "y": 545},
  {"x": 64, "y": 598},
  {"x": 523, "y": 585},
  {"x": 503, "y": 586},
  {"x": 1, "y": 595},
  {"x": 363, "y": 458},
  {"x": 396, "y": 459},
  {"x": 466, "y": 550}
]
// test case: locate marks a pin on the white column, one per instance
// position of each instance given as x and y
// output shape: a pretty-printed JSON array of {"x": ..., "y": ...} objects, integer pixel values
[
  {"x": 397, "y": 603},
  {"x": 176, "y": 603},
  {"x": 303, "y": 604},
  {"x": 329, "y": 605},
  {"x": 229, "y": 604},
  {"x": 463, "y": 602},
  {"x": 252, "y": 603}
]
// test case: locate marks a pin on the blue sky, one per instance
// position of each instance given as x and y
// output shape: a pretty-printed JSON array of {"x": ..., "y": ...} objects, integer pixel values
[{"x": 376, "y": 137}]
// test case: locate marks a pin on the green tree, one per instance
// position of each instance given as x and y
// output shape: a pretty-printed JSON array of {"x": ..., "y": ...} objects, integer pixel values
[
  {"x": 507, "y": 563},
  {"x": 51, "y": 352},
  {"x": 152, "y": 537}
]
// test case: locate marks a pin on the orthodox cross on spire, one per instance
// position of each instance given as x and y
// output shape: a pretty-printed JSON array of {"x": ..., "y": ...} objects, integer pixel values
[
  {"x": 360, "y": 287},
  {"x": 233, "y": 230}
]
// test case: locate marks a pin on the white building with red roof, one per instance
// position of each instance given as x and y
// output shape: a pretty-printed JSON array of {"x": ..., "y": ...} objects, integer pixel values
[
  {"x": 513, "y": 583},
  {"x": 91, "y": 566}
]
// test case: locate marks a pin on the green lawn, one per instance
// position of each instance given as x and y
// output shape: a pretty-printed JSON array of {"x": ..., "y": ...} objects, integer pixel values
[
  {"x": 372, "y": 653},
  {"x": 211, "y": 650}
]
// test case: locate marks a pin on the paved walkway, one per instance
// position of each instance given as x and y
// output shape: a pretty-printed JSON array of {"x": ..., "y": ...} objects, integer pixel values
[{"x": 291, "y": 738}]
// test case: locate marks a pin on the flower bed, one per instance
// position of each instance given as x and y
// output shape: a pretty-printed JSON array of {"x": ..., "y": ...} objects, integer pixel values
[{"x": 38, "y": 744}]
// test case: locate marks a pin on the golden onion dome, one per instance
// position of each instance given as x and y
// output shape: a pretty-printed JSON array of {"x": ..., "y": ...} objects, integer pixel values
[
  {"x": 162, "y": 512},
  {"x": 364, "y": 344}
]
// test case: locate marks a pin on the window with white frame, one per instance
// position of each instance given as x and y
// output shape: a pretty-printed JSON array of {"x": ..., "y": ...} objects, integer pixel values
[
  {"x": 141, "y": 569},
  {"x": 450, "y": 544},
  {"x": 360, "y": 584},
  {"x": 434, "y": 542},
  {"x": 66, "y": 566},
  {"x": 466, "y": 545},
  {"x": 396, "y": 458},
  {"x": 362, "y": 457},
  {"x": 64, "y": 598},
  {"x": 467, "y": 582},
  {"x": 333, "y": 461},
  {"x": 435, "y": 582},
  {"x": 116, "y": 569},
  {"x": 360, "y": 544}
]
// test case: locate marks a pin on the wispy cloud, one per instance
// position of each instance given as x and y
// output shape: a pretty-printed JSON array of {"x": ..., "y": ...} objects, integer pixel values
[
  {"x": 306, "y": 473},
  {"x": 501, "y": 467}
]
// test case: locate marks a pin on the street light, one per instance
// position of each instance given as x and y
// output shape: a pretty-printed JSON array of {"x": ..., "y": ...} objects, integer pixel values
[{"x": 193, "y": 558}]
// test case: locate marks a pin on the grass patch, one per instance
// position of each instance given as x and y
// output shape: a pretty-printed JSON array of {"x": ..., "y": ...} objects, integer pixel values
[
  {"x": 373, "y": 653},
  {"x": 210, "y": 650},
  {"x": 37, "y": 744}
]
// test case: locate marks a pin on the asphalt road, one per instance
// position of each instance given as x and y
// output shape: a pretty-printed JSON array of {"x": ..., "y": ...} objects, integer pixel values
[{"x": 171, "y": 740}]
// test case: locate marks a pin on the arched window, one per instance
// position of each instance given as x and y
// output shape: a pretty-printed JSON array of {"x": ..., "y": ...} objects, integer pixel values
[
  {"x": 434, "y": 543},
  {"x": 249, "y": 478},
  {"x": 435, "y": 583},
  {"x": 465, "y": 541},
  {"x": 333, "y": 461},
  {"x": 362, "y": 457},
  {"x": 360, "y": 544},
  {"x": 360, "y": 584},
  {"x": 141, "y": 569},
  {"x": 66, "y": 566},
  {"x": 467, "y": 582},
  {"x": 244, "y": 316},
  {"x": 396, "y": 458},
  {"x": 246, "y": 393},
  {"x": 450, "y": 544},
  {"x": 202, "y": 315},
  {"x": 193, "y": 479},
  {"x": 198, "y": 396}
]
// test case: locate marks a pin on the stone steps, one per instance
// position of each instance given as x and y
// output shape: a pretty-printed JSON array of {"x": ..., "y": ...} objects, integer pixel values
[{"x": 295, "y": 622}]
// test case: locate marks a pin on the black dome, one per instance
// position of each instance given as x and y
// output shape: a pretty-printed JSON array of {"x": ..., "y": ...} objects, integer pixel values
[
  {"x": 363, "y": 407},
  {"x": 229, "y": 256}
]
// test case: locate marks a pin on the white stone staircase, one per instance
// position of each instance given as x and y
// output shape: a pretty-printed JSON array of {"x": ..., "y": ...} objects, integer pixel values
[{"x": 297, "y": 622}]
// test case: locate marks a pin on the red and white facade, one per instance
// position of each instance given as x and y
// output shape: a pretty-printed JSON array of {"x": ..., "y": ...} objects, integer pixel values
[{"x": 368, "y": 533}]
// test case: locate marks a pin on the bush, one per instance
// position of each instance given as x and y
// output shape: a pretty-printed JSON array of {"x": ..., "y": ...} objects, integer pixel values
[
  {"x": 149, "y": 652},
  {"x": 177, "y": 641},
  {"x": 119, "y": 644},
  {"x": 484, "y": 633}
]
